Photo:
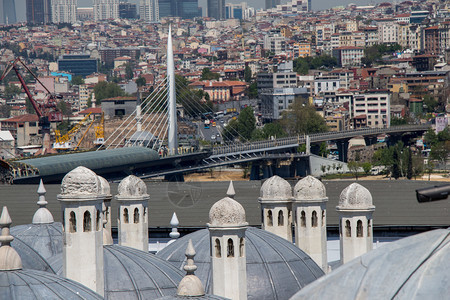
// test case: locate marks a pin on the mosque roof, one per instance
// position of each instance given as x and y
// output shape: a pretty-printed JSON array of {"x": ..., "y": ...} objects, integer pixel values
[
  {"x": 415, "y": 267},
  {"x": 32, "y": 284},
  {"x": 36, "y": 243},
  {"x": 276, "y": 268},
  {"x": 133, "y": 274},
  {"x": 309, "y": 188}
]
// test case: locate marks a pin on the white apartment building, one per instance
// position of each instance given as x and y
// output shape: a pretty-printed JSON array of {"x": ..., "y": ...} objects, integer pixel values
[
  {"x": 106, "y": 9},
  {"x": 388, "y": 32},
  {"x": 371, "y": 36},
  {"x": 409, "y": 36},
  {"x": 326, "y": 83},
  {"x": 375, "y": 105},
  {"x": 64, "y": 11},
  {"x": 84, "y": 92},
  {"x": 149, "y": 10},
  {"x": 275, "y": 43}
]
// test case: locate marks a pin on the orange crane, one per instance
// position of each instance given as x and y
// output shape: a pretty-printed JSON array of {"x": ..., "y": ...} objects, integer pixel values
[{"x": 63, "y": 142}]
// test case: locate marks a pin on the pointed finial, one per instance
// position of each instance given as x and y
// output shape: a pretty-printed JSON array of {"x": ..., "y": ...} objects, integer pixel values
[
  {"x": 42, "y": 215},
  {"x": 9, "y": 259},
  {"x": 231, "y": 193},
  {"x": 174, "y": 223},
  {"x": 190, "y": 285},
  {"x": 190, "y": 267}
]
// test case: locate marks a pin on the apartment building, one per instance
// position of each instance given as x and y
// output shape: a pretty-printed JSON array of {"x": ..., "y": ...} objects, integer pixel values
[{"x": 375, "y": 105}]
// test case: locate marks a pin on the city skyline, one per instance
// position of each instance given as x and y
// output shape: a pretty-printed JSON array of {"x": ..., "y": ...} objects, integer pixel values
[{"x": 257, "y": 4}]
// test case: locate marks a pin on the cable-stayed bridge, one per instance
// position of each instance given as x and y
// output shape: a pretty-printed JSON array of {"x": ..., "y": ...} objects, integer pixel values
[{"x": 155, "y": 125}]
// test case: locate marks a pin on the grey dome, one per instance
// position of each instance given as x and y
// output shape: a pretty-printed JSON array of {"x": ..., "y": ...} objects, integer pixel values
[
  {"x": 45, "y": 239},
  {"x": 227, "y": 212},
  {"x": 204, "y": 297},
  {"x": 31, "y": 259},
  {"x": 276, "y": 268},
  {"x": 415, "y": 267},
  {"x": 275, "y": 188},
  {"x": 32, "y": 284},
  {"x": 133, "y": 274},
  {"x": 355, "y": 196},
  {"x": 309, "y": 188}
]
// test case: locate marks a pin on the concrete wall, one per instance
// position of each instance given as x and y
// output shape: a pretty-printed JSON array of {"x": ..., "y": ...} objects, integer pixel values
[{"x": 317, "y": 161}]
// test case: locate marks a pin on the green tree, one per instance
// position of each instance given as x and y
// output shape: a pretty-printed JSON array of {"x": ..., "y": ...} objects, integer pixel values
[
  {"x": 395, "y": 121},
  {"x": 430, "y": 103},
  {"x": 396, "y": 165},
  {"x": 431, "y": 138},
  {"x": 367, "y": 166},
  {"x": 303, "y": 64},
  {"x": 323, "y": 151},
  {"x": 104, "y": 90},
  {"x": 440, "y": 151},
  {"x": 208, "y": 75},
  {"x": 11, "y": 91},
  {"x": 64, "y": 108},
  {"x": 353, "y": 166},
  {"x": 247, "y": 74},
  {"x": 29, "y": 107},
  {"x": 230, "y": 132},
  {"x": 410, "y": 172},
  {"x": 253, "y": 90},
  {"x": 194, "y": 102},
  {"x": 5, "y": 111},
  {"x": 77, "y": 80},
  {"x": 302, "y": 118},
  {"x": 246, "y": 123},
  {"x": 141, "y": 81},
  {"x": 129, "y": 71}
]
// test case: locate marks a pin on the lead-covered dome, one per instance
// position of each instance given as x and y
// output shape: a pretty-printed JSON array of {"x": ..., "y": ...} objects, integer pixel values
[
  {"x": 134, "y": 274},
  {"x": 227, "y": 212},
  {"x": 132, "y": 186},
  {"x": 32, "y": 284},
  {"x": 355, "y": 196},
  {"x": 415, "y": 267},
  {"x": 275, "y": 188},
  {"x": 309, "y": 188},
  {"x": 80, "y": 181},
  {"x": 276, "y": 268}
]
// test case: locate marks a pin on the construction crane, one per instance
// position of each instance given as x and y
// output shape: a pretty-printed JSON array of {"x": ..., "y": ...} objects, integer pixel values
[
  {"x": 46, "y": 110},
  {"x": 100, "y": 131},
  {"x": 63, "y": 142},
  {"x": 83, "y": 136}
]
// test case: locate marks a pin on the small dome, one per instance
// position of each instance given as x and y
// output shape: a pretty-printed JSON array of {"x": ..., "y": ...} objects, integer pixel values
[
  {"x": 310, "y": 188},
  {"x": 132, "y": 186},
  {"x": 276, "y": 268},
  {"x": 133, "y": 274},
  {"x": 80, "y": 181},
  {"x": 276, "y": 188},
  {"x": 104, "y": 186},
  {"x": 355, "y": 196},
  {"x": 414, "y": 267},
  {"x": 32, "y": 284},
  {"x": 227, "y": 212}
]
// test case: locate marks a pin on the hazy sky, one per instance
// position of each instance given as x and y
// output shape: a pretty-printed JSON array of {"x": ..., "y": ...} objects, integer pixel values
[{"x": 316, "y": 4}]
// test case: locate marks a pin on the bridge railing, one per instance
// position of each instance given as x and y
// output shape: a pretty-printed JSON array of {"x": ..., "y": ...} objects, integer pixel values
[{"x": 315, "y": 137}]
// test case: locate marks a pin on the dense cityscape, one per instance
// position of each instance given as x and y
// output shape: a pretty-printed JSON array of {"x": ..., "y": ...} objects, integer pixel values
[{"x": 201, "y": 149}]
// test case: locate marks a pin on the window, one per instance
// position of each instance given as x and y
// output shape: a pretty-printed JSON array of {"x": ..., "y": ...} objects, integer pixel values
[
  {"x": 359, "y": 229},
  {"x": 218, "y": 248},
  {"x": 125, "y": 215},
  {"x": 241, "y": 247},
  {"x": 303, "y": 219},
  {"x": 269, "y": 218},
  {"x": 314, "y": 219},
  {"x": 230, "y": 248},
  {"x": 87, "y": 221},
  {"x": 280, "y": 218},
  {"x": 136, "y": 216},
  {"x": 323, "y": 218},
  {"x": 72, "y": 222},
  {"x": 348, "y": 229},
  {"x": 369, "y": 227},
  {"x": 97, "y": 222}
]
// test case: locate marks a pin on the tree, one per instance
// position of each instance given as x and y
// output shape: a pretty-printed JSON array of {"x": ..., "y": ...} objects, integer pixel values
[
  {"x": 246, "y": 123},
  {"x": 5, "y": 111},
  {"x": 29, "y": 107},
  {"x": 440, "y": 151},
  {"x": 353, "y": 166},
  {"x": 141, "y": 81},
  {"x": 104, "y": 90},
  {"x": 409, "y": 172},
  {"x": 395, "y": 121},
  {"x": 302, "y": 118},
  {"x": 128, "y": 71},
  {"x": 430, "y": 103},
  {"x": 11, "y": 91},
  {"x": 395, "y": 166},
  {"x": 253, "y": 90},
  {"x": 367, "y": 166},
  {"x": 64, "y": 108},
  {"x": 323, "y": 151},
  {"x": 247, "y": 74},
  {"x": 431, "y": 138},
  {"x": 303, "y": 64},
  {"x": 208, "y": 75},
  {"x": 77, "y": 80}
]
